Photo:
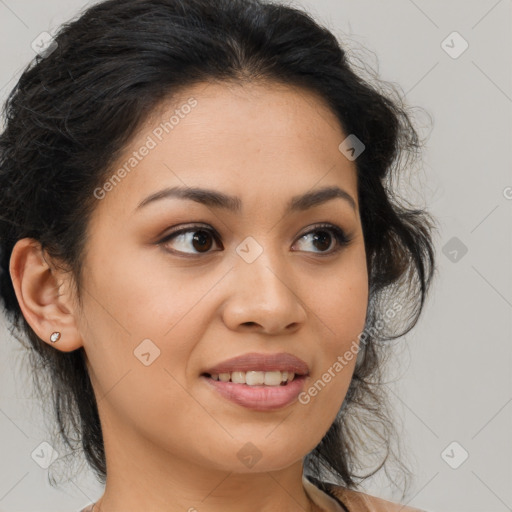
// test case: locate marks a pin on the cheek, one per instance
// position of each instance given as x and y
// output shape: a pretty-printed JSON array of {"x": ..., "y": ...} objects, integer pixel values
[
  {"x": 143, "y": 323},
  {"x": 340, "y": 308},
  {"x": 140, "y": 294},
  {"x": 340, "y": 301},
  {"x": 140, "y": 332}
]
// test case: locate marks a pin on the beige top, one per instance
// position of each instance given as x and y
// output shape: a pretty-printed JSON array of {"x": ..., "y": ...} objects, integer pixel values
[
  {"x": 320, "y": 498},
  {"x": 353, "y": 501}
]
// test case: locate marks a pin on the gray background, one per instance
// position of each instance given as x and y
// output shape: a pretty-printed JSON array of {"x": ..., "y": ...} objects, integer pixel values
[{"x": 452, "y": 376}]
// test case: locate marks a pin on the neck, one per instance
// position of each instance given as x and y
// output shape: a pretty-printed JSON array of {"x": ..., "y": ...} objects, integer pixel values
[{"x": 147, "y": 478}]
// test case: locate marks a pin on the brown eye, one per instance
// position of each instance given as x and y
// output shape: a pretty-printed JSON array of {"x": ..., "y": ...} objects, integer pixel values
[
  {"x": 322, "y": 240},
  {"x": 326, "y": 239},
  {"x": 200, "y": 240}
]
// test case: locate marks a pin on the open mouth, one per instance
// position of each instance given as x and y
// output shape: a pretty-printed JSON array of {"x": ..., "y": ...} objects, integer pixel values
[{"x": 259, "y": 391}]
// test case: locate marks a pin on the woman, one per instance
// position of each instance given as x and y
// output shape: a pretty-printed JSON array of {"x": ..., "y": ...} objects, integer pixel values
[{"x": 199, "y": 239}]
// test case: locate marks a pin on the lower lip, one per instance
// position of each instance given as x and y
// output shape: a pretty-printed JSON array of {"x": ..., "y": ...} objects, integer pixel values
[{"x": 259, "y": 398}]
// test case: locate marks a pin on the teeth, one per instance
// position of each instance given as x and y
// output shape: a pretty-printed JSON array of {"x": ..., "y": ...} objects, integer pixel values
[
  {"x": 238, "y": 377},
  {"x": 254, "y": 378}
]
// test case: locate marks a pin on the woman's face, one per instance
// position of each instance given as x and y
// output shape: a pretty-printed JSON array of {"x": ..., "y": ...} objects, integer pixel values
[{"x": 261, "y": 273}]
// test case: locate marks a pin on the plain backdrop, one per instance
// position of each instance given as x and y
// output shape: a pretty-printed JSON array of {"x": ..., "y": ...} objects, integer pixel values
[{"x": 453, "y": 396}]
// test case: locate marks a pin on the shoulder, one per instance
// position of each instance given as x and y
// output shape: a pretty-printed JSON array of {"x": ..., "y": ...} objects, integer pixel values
[{"x": 361, "y": 502}]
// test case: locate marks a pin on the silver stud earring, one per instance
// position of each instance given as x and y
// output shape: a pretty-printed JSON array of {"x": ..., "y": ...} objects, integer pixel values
[{"x": 55, "y": 337}]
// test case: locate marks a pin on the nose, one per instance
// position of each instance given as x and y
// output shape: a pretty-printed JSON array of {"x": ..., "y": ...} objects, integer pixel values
[{"x": 264, "y": 297}]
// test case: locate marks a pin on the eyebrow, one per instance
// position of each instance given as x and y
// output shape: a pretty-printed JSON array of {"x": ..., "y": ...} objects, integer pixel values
[{"x": 217, "y": 199}]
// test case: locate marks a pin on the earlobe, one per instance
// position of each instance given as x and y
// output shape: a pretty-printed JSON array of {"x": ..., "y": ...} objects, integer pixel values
[{"x": 44, "y": 296}]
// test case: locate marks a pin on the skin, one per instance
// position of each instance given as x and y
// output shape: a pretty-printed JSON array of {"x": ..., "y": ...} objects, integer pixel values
[{"x": 171, "y": 442}]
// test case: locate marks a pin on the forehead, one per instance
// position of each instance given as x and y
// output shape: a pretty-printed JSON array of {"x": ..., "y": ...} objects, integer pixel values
[{"x": 252, "y": 140}]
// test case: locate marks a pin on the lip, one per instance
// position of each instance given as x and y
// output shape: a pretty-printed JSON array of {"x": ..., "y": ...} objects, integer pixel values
[
  {"x": 259, "y": 398},
  {"x": 254, "y": 361}
]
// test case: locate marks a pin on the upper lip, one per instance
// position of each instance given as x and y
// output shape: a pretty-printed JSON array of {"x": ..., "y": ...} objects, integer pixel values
[{"x": 261, "y": 362}]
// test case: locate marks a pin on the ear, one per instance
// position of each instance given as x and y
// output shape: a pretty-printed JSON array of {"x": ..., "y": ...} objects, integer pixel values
[{"x": 44, "y": 295}]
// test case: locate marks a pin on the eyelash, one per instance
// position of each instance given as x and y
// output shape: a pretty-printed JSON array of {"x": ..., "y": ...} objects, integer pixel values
[{"x": 339, "y": 235}]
